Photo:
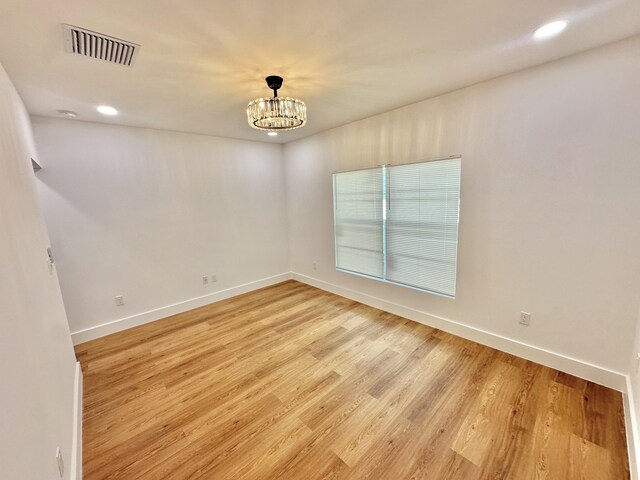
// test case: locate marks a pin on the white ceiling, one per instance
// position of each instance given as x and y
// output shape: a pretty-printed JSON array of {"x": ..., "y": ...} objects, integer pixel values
[{"x": 201, "y": 61}]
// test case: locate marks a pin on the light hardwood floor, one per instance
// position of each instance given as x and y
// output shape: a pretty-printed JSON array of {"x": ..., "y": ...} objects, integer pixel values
[{"x": 291, "y": 382}]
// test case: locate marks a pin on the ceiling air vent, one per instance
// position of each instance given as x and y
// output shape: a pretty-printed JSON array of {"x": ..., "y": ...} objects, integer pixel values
[{"x": 96, "y": 45}]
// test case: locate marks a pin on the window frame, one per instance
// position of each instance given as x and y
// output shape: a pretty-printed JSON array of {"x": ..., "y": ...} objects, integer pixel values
[{"x": 385, "y": 195}]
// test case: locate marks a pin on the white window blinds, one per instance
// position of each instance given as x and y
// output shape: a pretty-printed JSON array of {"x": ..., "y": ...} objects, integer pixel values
[
  {"x": 422, "y": 225},
  {"x": 358, "y": 221},
  {"x": 399, "y": 223}
]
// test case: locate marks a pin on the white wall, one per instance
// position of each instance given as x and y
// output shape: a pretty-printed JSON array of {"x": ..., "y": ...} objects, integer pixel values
[
  {"x": 37, "y": 363},
  {"x": 145, "y": 213},
  {"x": 550, "y": 203},
  {"x": 634, "y": 369},
  {"x": 632, "y": 404}
]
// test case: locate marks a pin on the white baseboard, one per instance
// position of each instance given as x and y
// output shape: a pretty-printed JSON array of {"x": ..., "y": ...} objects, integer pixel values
[
  {"x": 579, "y": 368},
  {"x": 573, "y": 366},
  {"x": 631, "y": 427},
  {"x": 108, "y": 328},
  {"x": 76, "y": 444}
]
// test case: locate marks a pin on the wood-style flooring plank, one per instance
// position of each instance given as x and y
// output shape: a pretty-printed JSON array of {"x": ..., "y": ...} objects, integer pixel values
[{"x": 291, "y": 382}]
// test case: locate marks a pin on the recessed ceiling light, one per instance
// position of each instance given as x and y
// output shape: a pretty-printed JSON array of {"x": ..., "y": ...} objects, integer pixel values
[
  {"x": 272, "y": 134},
  {"x": 68, "y": 113},
  {"x": 550, "y": 29},
  {"x": 107, "y": 110}
]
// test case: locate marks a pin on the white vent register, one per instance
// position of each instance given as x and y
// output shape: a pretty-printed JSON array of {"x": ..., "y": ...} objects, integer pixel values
[{"x": 97, "y": 45}]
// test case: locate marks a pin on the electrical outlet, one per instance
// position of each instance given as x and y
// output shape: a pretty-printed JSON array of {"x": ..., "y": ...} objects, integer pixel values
[
  {"x": 214, "y": 277},
  {"x": 60, "y": 462},
  {"x": 119, "y": 300},
  {"x": 205, "y": 280},
  {"x": 525, "y": 318},
  {"x": 315, "y": 266}
]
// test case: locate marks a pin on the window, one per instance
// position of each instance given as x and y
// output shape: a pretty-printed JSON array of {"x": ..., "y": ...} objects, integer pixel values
[
  {"x": 399, "y": 224},
  {"x": 359, "y": 221}
]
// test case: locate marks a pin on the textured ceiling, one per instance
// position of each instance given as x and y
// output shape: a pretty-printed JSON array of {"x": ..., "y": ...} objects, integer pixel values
[{"x": 201, "y": 61}]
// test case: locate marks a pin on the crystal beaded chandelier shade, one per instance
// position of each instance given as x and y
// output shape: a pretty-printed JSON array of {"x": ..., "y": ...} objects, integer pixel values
[{"x": 277, "y": 113}]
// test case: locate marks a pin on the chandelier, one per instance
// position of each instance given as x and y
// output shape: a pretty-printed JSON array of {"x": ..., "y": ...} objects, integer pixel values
[{"x": 277, "y": 113}]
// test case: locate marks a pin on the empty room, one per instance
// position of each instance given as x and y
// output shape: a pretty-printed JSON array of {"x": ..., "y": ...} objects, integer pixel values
[{"x": 319, "y": 240}]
